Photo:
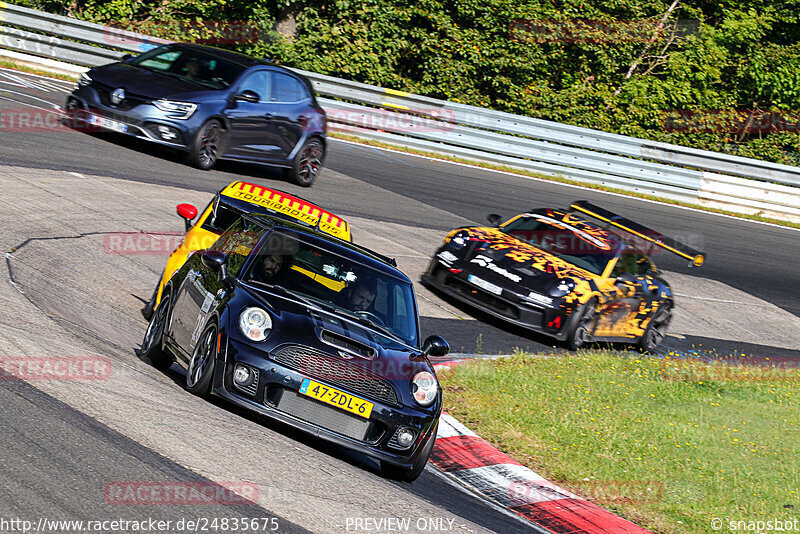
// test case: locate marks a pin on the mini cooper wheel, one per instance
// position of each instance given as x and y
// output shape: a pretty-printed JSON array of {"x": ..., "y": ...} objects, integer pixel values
[
  {"x": 153, "y": 351},
  {"x": 308, "y": 163},
  {"x": 410, "y": 475},
  {"x": 201, "y": 366},
  {"x": 657, "y": 328},
  {"x": 207, "y": 145},
  {"x": 579, "y": 335}
]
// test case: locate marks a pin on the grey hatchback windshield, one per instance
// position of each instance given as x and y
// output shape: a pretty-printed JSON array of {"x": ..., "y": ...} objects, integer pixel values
[
  {"x": 191, "y": 65},
  {"x": 338, "y": 284}
]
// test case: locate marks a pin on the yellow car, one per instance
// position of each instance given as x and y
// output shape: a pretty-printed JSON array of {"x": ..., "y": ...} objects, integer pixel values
[
  {"x": 227, "y": 206},
  {"x": 579, "y": 275}
]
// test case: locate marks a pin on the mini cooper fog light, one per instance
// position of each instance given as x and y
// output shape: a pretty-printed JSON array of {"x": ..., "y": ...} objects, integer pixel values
[
  {"x": 424, "y": 388},
  {"x": 403, "y": 438},
  {"x": 242, "y": 375},
  {"x": 255, "y": 323}
]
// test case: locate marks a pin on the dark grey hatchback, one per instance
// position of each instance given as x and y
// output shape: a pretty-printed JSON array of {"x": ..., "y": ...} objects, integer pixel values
[{"x": 210, "y": 103}]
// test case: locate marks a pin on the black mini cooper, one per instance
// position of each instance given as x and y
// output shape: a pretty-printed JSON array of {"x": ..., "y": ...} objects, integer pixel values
[{"x": 308, "y": 329}]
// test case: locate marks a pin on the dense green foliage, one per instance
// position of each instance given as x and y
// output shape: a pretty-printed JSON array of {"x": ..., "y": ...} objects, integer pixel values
[{"x": 709, "y": 56}]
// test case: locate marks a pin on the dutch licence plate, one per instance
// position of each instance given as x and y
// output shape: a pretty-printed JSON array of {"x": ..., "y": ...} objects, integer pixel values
[
  {"x": 108, "y": 123},
  {"x": 483, "y": 284},
  {"x": 337, "y": 398}
]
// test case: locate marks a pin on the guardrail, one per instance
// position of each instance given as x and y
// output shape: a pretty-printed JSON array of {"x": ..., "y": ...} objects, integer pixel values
[{"x": 424, "y": 123}]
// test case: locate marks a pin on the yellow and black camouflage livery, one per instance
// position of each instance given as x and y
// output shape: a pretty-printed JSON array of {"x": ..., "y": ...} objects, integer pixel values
[{"x": 579, "y": 275}]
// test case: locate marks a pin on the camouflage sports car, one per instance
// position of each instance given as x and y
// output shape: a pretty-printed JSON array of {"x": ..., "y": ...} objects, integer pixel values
[{"x": 579, "y": 275}]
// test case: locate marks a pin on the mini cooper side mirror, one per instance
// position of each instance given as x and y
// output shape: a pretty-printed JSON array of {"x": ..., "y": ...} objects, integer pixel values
[
  {"x": 187, "y": 212},
  {"x": 217, "y": 262},
  {"x": 435, "y": 346},
  {"x": 248, "y": 96},
  {"x": 494, "y": 219}
]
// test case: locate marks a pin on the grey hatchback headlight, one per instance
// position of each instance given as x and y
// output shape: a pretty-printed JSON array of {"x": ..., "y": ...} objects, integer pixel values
[{"x": 177, "y": 110}]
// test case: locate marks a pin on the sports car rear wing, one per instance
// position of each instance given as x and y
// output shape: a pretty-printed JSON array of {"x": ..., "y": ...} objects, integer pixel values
[{"x": 684, "y": 251}]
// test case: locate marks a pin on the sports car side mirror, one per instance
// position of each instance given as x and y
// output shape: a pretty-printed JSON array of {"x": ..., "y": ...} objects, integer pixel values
[
  {"x": 626, "y": 279},
  {"x": 217, "y": 262},
  {"x": 494, "y": 219},
  {"x": 435, "y": 346},
  {"x": 126, "y": 57},
  {"x": 187, "y": 212}
]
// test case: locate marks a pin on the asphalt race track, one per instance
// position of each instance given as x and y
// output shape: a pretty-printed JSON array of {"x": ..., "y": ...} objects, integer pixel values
[{"x": 66, "y": 192}]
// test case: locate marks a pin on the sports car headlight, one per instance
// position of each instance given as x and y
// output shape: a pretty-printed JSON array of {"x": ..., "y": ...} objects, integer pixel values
[
  {"x": 458, "y": 241},
  {"x": 561, "y": 287},
  {"x": 255, "y": 324},
  {"x": 178, "y": 110},
  {"x": 424, "y": 387},
  {"x": 84, "y": 80}
]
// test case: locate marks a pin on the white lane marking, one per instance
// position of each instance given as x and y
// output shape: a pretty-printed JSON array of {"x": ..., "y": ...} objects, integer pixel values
[
  {"x": 25, "y": 95},
  {"x": 56, "y": 110},
  {"x": 449, "y": 427},
  {"x": 50, "y": 79},
  {"x": 710, "y": 299},
  {"x": 79, "y": 175},
  {"x": 581, "y": 187}
]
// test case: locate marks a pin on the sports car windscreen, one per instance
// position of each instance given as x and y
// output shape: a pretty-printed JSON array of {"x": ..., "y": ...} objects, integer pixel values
[
  {"x": 586, "y": 246},
  {"x": 337, "y": 284},
  {"x": 191, "y": 65}
]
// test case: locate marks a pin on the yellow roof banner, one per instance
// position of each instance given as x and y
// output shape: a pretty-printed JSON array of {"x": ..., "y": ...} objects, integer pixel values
[{"x": 287, "y": 204}]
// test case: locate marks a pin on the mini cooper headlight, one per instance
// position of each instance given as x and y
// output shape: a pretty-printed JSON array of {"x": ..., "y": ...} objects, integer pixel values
[
  {"x": 561, "y": 287},
  {"x": 255, "y": 324},
  {"x": 458, "y": 241},
  {"x": 424, "y": 387}
]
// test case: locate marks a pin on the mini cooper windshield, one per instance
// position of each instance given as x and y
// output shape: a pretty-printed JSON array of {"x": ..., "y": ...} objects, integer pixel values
[
  {"x": 580, "y": 245},
  {"x": 286, "y": 263}
]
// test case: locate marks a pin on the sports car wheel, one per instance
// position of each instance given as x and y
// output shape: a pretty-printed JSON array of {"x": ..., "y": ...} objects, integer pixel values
[
  {"x": 207, "y": 145},
  {"x": 410, "y": 475},
  {"x": 147, "y": 311},
  {"x": 579, "y": 335},
  {"x": 201, "y": 366},
  {"x": 153, "y": 351},
  {"x": 308, "y": 163},
  {"x": 657, "y": 328}
]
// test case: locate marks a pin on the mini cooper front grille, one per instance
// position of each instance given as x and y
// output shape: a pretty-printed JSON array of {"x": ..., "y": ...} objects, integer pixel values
[
  {"x": 325, "y": 416},
  {"x": 337, "y": 372}
]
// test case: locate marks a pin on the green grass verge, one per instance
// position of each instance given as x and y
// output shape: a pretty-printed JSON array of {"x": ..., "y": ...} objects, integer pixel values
[
  {"x": 559, "y": 179},
  {"x": 25, "y": 68},
  {"x": 668, "y": 444}
]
